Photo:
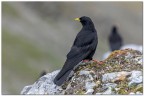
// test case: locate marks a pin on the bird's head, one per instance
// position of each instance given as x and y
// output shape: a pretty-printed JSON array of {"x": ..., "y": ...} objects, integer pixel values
[
  {"x": 114, "y": 30},
  {"x": 84, "y": 20}
]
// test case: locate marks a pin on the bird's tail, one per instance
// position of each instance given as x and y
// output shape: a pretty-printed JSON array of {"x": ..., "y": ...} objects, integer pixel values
[
  {"x": 66, "y": 70},
  {"x": 59, "y": 81}
]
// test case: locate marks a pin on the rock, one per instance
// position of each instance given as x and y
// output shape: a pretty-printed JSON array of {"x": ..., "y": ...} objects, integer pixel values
[
  {"x": 84, "y": 80},
  {"x": 112, "y": 85},
  {"x": 108, "y": 91},
  {"x": 108, "y": 77},
  {"x": 44, "y": 85},
  {"x": 98, "y": 93},
  {"x": 140, "y": 60},
  {"x": 89, "y": 91},
  {"x": 136, "y": 78},
  {"x": 26, "y": 89},
  {"x": 121, "y": 76},
  {"x": 138, "y": 93},
  {"x": 120, "y": 73},
  {"x": 89, "y": 87},
  {"x": 131, "y": 46},
  {"x": 131, "y": 93},
  {"x": 115, "y": 76}
]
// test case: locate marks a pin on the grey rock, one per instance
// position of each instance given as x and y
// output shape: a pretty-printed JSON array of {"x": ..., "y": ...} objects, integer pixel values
[
  {"x": 139, "y": 59},
  {"x": 136, "y": 78},
  {"x": 112, "y": 85},
  {"x": 138, "y": 93},
  {"x": 26, "y": 89},
  {"x": 84, "y": 72},
  {"x": 44, "y": 85},
  {"x": 131, "y": 93},
  {"x": 89, "y": 91},
  {"x": 108, "y": 91},
  {"x": 108, "y": 77},
  {"x": 89, "y": 83},
  {"x": 98, "y": 94},
  {"x": 132, "y": 46},
  {"x": 111, "y": 77}
]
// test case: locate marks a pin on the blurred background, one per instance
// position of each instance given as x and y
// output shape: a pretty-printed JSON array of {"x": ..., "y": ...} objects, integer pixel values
[{"x": 37, "y": 36}]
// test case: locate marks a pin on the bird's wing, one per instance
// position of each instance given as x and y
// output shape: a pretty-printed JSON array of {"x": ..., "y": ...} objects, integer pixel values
[
  {"x": 83, "y": 44},
  {"x": 75, "y": 51}
]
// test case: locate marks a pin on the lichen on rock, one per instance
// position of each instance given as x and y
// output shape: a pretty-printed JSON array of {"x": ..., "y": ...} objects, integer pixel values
[{"x": 120, "y": 73}]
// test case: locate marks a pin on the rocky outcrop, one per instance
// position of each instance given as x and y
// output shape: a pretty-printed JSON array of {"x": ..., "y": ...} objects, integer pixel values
[{"x": 120, "y": 73}]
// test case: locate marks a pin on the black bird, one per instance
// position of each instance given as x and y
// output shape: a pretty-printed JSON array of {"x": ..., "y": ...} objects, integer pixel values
[
  {"x": 115, "y": 39},
  {"x": 43, "y": 73},
  {"x": 84, "y": 47}
]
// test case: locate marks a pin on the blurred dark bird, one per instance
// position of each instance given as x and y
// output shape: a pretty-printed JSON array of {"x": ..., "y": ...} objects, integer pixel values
[
  {"x": 43, "y": 73},
  {"x": 83, "y": 48},
  {"x": 115, "y": 40}
]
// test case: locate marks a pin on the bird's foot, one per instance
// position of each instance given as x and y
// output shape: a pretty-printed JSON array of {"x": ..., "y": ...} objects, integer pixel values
[
  {"x": 98, "y": 62},
  {"x": 85, "y": 61}
]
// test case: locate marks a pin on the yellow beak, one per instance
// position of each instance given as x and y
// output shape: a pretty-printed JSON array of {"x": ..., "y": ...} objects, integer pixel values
[{"x": 77, "y": 19}]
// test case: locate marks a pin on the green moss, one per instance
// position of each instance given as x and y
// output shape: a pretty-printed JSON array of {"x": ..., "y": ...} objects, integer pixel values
[
  {"x": 80, "y": 92},
  {"x": 139, "y": 88},
  {"x": 123, "y": 87},
  {"x": 136, "y": 88},
  {"x": 123, "y": 92}
]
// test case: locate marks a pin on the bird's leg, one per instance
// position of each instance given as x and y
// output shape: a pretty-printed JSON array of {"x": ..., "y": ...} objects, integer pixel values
[{"x": 99, "y": 62}]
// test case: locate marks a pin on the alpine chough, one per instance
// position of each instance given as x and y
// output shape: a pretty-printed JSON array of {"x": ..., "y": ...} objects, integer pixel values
[
  {"x": 84, "y": 47},
  {"x": 115, "y": 39}
]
